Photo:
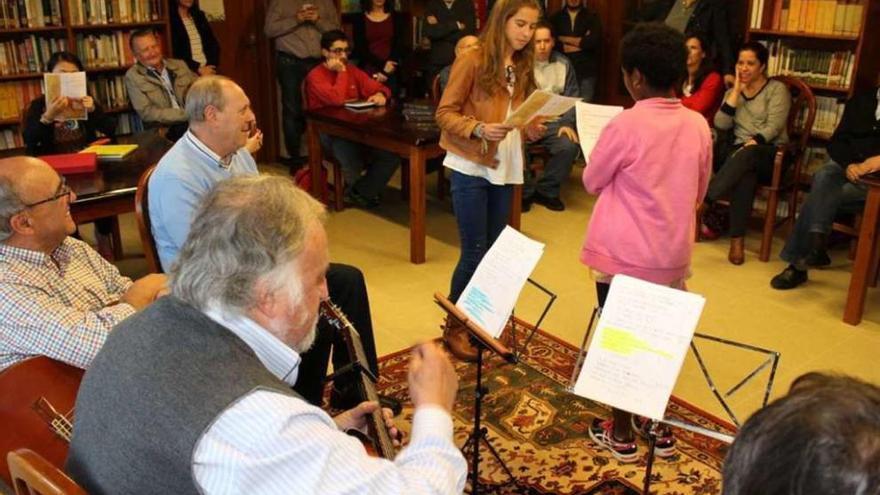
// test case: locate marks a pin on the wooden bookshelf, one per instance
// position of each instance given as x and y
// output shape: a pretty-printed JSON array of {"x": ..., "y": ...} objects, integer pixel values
[{"x": 68, "y": 31}]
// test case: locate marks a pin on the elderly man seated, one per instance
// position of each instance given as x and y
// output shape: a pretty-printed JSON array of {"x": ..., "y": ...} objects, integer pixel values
[
  {"x": 193, "y": 395},
  {"x": 58, "y": 297}
]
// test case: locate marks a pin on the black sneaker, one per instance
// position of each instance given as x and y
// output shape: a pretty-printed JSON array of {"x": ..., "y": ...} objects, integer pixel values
[
  {"x": 817, "y": 258},
  {"x": 352, "y": 198},
  {"x": 554, "y": 204},
  {"x": 790, "y": 278},
  {"x": 527, "y": 204}
]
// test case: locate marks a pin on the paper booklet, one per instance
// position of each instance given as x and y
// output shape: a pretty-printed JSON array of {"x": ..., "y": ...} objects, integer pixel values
[
  {"x": 540, "y": 104},
  {"x": 360, "y": 105},
  {"x": 71, "y": 85},
  {"x": 491, "y": 294},
  {"x": 591, "y": 120},
  {"x": 639, "y": 345}
]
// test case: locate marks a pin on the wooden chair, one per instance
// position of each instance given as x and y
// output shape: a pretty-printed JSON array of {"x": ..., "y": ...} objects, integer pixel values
[
  {"x": 799, "y": 125},
  {"x": 34, "y": 475},
  {"x": 334, "y": 165},
  {"x": 142, "y": 213}
]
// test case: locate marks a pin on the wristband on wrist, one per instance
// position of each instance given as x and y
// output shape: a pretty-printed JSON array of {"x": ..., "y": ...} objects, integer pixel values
[{"x": 478, "y": 131}]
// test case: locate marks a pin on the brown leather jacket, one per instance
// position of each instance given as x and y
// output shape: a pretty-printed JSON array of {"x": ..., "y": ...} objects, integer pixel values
[{"x": 465, "y": 104}]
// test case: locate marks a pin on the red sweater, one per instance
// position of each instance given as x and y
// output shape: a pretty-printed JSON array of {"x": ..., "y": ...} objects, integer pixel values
[
  {"x": 707, "y": 98},
  {"x": 327, "y": 88}
]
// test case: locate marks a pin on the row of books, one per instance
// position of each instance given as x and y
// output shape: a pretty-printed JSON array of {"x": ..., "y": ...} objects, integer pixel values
[
  {"x": 815, "y": 67},
  {"x": 108, "y": 91},
  {"x": 128, "y": 124},
  {"x": 15, "y": 96},
  {"x": 842, "y": 17},
  {"x": 104, "y": 50},
  {"x": 28, "y": 55},
  {"x": 29, "y": 13},
  {"x": 92, "y": 12},
  {"x": 10, "y": 139},
  {"x": 829, "y": 110}
]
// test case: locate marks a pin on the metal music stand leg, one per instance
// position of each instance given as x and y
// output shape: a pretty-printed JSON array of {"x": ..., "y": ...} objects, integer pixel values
[
  {"x": 582, "y": 354},
  {"x": 480, "y": 432},
  {"x": 649, "y": 466},
  {"x": 550, "y": 302}
]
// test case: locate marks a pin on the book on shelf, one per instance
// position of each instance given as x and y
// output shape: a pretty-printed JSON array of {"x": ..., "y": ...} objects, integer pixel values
[
  {"x": 815, "y": 157},
  {"x": 829, "y": 110},
  {"x": 10, "y": 139},
  {"x": 814, "y": 67},
  {"x": 109, "y": 91},
  {"x": 105, "y": 49},
  {"x": 18, "y": 14},
  {"x": 15, "y": 96},
  {"x": 97, "y": 12},
  {"x": 832, "y": 17},
  {"x": 28, "y": 54}
]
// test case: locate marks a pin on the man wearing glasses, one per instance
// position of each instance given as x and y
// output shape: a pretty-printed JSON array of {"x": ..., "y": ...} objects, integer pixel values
[
  {"x": 332, "y": 84},
  {"x": 58, "y": 297}
]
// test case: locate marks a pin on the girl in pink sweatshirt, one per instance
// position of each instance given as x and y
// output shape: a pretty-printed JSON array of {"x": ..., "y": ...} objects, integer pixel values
[{"x": 650, "y": 169}]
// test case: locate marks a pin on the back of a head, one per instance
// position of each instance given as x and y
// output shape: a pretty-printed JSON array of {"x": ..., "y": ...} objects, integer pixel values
[
  {"x": 204, "y": 92},
  {"x": 658, "y": 52},
  {"x": 823, "y": 438},
  {"x": 244, "y": 229}
]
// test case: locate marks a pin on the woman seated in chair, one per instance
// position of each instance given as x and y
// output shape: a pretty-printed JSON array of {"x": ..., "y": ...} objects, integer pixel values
[
  {"x": 755, "y": 111},
  {"x": 46, "y": 131},
  {"x": 703, "y": 88}
]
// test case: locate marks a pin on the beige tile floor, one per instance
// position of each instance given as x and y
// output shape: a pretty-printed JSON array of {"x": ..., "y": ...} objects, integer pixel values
[{"x": 804, "y": 325}]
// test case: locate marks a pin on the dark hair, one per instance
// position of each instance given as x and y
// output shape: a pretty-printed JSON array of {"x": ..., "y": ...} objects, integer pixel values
[
  {"x": 174, "y": 4},
  {"x": 332, "y": 36},
  {"x": 760, "y": 51},
  {"x": 140, "y": 33},
  {"x": 821, "y": 438},
  {"x": 63, "y": 57},
  {"x": 544, "y": 24},
  {"x": 658, "y": 52},
  {"x": 367, "y": 5},
  {"x": 707, "y": 66}
]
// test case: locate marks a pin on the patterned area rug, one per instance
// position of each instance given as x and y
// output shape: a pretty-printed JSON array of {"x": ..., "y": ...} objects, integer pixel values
[{"x": 540, "y": 430}]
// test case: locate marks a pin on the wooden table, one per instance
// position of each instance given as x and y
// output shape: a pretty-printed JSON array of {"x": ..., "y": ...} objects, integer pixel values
[
  {"x": 386, "y": 129},
  {"x": 864, "y": 265},
  {"x": 109, "y": 191}
]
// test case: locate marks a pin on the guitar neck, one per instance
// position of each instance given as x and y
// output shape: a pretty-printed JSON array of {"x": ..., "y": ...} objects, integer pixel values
[{"x": 376, "y": 421}]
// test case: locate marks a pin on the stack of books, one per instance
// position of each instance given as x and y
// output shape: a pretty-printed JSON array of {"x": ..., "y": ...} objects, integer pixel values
[
  {"x": 837, "y": 17},
  {"x": 111, "y": 152}
]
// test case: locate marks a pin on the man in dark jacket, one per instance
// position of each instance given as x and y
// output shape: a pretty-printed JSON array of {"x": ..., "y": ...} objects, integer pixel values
[
  {"x": 445, "y": 22},
  {"x": 854, "y": 151},
  {"x": 579, "y": 36}
]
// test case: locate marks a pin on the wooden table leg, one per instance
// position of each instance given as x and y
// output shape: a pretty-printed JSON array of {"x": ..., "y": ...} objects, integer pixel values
[
  {"x": 855, "y": 299},
  {"x": 416, "y": 205},
  {"x": 516, "y": 207},
  {"x": 316, "y": 159}
]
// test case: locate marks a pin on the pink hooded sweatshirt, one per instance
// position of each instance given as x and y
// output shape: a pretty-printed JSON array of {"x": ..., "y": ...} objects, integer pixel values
[{"x": 650, "y": 168}]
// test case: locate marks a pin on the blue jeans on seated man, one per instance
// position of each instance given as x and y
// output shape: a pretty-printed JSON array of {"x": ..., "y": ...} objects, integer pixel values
[
  {"x": 481, "y": 212},
  {"x": 556, "y": 169},
  {"x": 354, "y": 158},
  {"x": 830, "y": 194}
]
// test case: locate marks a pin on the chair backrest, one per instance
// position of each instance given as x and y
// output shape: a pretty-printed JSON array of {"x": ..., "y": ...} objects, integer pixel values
[
  {"x": 436, "y": 93},
  {"x": 802, "y": 114},
  {"x": 33, "y": 475},
  {"x": 145, "y": 227}
]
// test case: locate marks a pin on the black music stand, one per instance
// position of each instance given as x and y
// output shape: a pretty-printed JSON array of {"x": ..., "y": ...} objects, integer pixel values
[{"x": 481, "y": 340}]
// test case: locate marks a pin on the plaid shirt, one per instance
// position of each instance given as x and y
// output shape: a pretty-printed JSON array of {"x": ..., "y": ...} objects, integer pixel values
[{"x": 61, "y": 306}]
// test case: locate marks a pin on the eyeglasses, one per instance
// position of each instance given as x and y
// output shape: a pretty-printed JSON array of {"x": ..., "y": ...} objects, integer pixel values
[
  {"x": 340, "y": 51},
  {"x": 62, "y": 191}
]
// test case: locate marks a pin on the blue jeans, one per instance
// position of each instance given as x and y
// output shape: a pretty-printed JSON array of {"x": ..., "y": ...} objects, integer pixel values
[
  {"x": 354, "y": 157},
  {"x": 830, "y": 193},
  {"x": 556, "y": 170},
  {"x": 481, "y": 212}
]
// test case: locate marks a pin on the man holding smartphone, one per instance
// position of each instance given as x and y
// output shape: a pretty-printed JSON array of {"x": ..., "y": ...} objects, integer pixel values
[{"x": 296, "y": 26}]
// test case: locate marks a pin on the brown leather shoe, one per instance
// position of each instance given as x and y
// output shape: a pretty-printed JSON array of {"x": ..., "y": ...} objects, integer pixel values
[
  {"x": 736, "y": 255},
  {"x": 458, "y": 341}
]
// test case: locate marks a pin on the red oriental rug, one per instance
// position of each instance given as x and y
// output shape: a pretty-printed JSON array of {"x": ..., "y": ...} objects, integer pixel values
[{"x": 540, "y": 430}]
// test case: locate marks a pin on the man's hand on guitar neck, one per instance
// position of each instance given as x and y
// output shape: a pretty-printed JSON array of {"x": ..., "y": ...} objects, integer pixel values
[
  {"x": 356, "y": 419},
  {"x": 432, "y": 378}
]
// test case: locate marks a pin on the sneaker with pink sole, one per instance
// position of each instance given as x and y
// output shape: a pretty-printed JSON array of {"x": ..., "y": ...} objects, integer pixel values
[{"x": 602, "y": 432}]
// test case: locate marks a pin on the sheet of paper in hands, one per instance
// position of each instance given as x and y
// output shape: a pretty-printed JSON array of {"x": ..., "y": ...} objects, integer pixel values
[
  {"x": 540, "y": 104},
  {"x": 71, "y": 85},
  {"x": 491, "y": 294},
  {"x": 636, "y": 353},
  {"x": 591, "y": 120}
]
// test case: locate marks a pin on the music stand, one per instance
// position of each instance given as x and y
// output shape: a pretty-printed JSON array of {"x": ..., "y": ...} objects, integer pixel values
[{"x": 481, "y": 340}]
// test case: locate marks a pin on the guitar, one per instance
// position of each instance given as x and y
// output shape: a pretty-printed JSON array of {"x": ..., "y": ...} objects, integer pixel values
[
  {"x": 32, "y": 393},
  {"x": 378, "y": 433}
]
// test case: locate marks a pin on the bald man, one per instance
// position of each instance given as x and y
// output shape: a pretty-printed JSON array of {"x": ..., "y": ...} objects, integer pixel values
[
  {"x": 464, "y": 44},
  {"x": 58, "y": 297}
]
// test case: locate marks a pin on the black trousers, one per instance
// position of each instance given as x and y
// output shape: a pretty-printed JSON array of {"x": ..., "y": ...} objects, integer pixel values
[
  {"x": 348, "y": 290},
  {"x": 738, "y": 177},
  {"x": 292, "y": 72}
]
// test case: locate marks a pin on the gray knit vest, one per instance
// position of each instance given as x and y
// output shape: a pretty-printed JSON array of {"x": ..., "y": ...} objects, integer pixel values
[{"x": 158, "y": 383}]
